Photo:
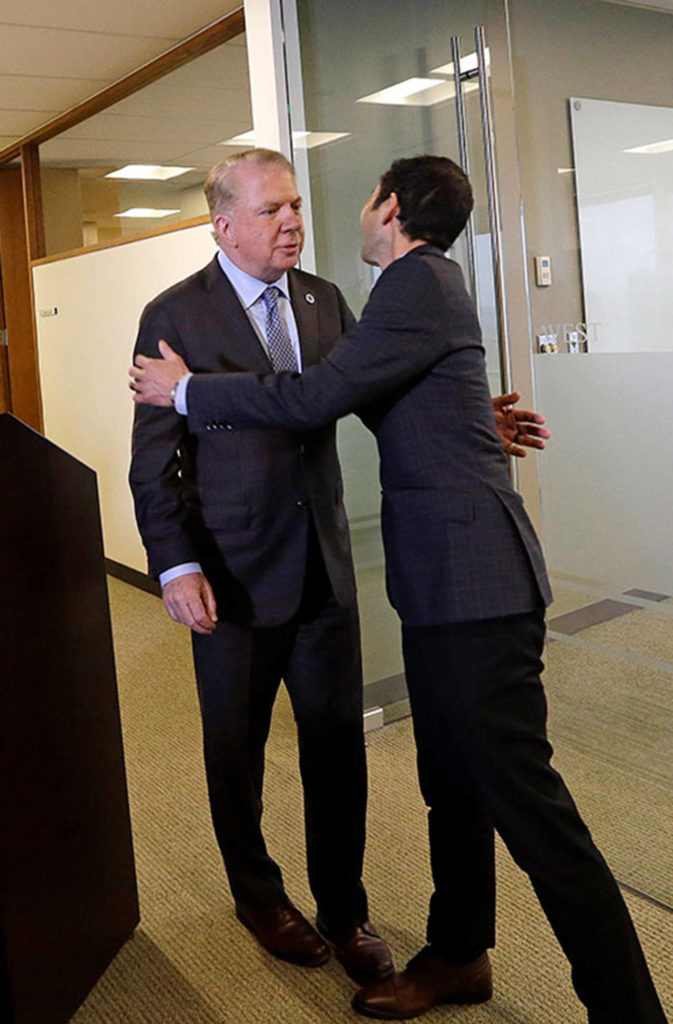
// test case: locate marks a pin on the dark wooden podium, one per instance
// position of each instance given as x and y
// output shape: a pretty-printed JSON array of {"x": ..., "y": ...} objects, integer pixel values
[{"x": 68, "y": 897}]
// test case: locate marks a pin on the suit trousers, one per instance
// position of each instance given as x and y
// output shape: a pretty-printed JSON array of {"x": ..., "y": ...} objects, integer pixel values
[
  {"x": 484, "y": 761},
  {"x": 238, "y": 673}
]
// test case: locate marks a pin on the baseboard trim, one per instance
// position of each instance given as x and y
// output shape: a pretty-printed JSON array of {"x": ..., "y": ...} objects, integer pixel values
[{"x": 141, "y": 580}]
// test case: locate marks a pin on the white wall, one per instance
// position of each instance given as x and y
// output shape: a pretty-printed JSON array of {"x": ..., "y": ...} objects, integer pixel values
[{"x": 85, "y": 352}]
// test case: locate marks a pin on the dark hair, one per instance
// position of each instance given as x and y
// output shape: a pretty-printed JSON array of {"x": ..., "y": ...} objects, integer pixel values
[{"x": 435, "y": 198}]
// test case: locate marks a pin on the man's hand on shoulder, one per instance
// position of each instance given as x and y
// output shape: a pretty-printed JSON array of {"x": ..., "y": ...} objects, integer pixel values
[
  {"x": 153, "y": 380},
  {"x": 190, "y": 600},
  {"x": 518, "y": 428}
]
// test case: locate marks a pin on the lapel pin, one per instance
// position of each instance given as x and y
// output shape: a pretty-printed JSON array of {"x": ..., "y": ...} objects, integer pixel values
[{"x": 310, "y": 298}]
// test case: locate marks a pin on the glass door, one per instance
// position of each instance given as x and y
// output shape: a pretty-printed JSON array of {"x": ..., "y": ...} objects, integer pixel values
[
  {"x": 370, "y": 82},
  {"x": 593, "y": 84}
]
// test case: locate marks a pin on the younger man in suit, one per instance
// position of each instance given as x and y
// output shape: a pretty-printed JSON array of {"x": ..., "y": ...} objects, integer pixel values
[{"x": 466, "y": 574}]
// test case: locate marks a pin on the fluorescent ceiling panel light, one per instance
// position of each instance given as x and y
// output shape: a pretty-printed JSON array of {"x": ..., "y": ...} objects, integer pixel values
[
  {"x": 651, "y": 5},
  {"x": 301, "y": 140},
  {"x": 244, "y": 139},
  {"x": 653, "y": 147},
  {"x": 412, "y": 92},
  {"x": 148, "y": 172},
  {"x": 145, "y": 211},
  {"x": 310, "y": 140},
  {"x": 468, "y": 64}
]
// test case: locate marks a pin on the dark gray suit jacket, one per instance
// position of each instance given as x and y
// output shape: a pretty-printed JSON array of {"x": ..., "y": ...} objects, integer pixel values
[
  {"x": 238, "y": 501},
  {"x": 458, "y": 542}
]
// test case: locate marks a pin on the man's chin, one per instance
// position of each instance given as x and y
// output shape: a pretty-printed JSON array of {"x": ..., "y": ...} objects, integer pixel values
[{"x": 287, "y": 260}]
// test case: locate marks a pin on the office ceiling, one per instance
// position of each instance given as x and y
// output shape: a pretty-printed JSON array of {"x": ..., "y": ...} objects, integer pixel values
[{"x": 54, "y": 55}]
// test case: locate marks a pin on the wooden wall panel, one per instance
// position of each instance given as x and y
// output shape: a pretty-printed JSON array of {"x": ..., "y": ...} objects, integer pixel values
[
  {"x": 32, "y": 198},
  {"x": 24, "y": 382},
  {"x": 5, "y": 399}
]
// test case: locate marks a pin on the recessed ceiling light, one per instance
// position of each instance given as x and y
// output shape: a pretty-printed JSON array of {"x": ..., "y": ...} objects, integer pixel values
[
  {"x": 565, "y": 170},
  {"x": 301, "y": 140},
  {"x": 415, "y": 92},
  {"x": 145, "y": 211},
  {"x": 310, "y": 140},
  {"x": 468, "y": 64},
  {"x": 653, "y": 147},
  {"x": 244, "y": 139},
  {"x": 655, "y": 5},
  {"x": 148, "y": 172}
]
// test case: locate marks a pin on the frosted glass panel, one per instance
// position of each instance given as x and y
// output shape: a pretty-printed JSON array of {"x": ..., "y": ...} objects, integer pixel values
[{"x": 624, "y": 171}]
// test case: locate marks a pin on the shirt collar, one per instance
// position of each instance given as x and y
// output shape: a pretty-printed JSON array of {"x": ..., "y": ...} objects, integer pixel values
[{"x": 248, "y": 288}]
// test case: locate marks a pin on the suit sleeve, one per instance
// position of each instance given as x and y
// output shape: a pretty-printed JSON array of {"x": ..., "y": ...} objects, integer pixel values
[
  {"x": 160, "y": 474},
  {"x": 401, "y": 335}
]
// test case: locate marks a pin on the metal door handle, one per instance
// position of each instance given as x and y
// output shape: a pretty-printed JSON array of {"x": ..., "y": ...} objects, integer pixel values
[
  {"x": 464, "y": 161},
  {"x": 493, "y": 208}
]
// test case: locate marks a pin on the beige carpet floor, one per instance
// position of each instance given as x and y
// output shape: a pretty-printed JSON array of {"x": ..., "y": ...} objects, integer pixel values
[{"x": 190, "y": 961}]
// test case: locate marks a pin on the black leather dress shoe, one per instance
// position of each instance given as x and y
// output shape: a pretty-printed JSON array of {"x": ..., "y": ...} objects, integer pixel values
[
  {"x": 363, "y": 954},
  {"x": 285, "y": 933},
  {"x": 428, "y": 980}
]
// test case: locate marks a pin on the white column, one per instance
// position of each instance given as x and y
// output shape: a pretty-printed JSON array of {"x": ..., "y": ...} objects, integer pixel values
[{"x": 268, "y": 90}]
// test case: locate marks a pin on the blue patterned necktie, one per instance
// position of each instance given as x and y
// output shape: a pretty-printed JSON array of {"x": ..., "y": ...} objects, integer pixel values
[{"x": 279, "y": 343}]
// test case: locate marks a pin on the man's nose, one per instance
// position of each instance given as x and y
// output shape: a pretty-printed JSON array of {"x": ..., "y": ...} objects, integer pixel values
[{"x": 292, "y": 220}]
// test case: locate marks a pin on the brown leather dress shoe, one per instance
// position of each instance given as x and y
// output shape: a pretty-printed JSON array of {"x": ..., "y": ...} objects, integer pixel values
[
  {"x": 285, "y": 933},
  {"x": 364, "y": 955},
  {"x": 428, "y": 980}
]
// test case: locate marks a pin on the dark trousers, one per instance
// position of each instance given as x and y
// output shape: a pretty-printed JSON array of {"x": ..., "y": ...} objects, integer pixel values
[
  {"x": 479, "y": 715},
  {"x": 238, "y": 673}
]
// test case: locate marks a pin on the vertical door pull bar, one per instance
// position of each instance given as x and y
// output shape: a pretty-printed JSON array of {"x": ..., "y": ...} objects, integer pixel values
[
  {"x": 493, "y": 209},
  {"x": 464, "y": 162}
]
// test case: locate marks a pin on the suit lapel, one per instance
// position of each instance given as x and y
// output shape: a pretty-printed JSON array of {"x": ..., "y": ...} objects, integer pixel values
[
  {"x": 240, "y": 347},
  {"x": 305, "y": 305}
]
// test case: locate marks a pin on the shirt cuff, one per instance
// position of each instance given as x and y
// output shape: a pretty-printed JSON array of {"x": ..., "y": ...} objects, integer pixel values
[
  {"x": 181, "y": 395},
  {"x": 178, "y": 570}
]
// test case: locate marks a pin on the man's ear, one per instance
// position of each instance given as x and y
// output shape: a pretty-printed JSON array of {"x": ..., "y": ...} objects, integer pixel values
[
  {"x": 390, "y": 208},
  {"x": 224, "y": 229}
]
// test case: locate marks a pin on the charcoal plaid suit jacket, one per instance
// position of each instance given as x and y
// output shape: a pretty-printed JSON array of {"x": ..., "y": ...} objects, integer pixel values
[
  {"x": 238, "y": 501},
  {"x": 458, "y": 542}
]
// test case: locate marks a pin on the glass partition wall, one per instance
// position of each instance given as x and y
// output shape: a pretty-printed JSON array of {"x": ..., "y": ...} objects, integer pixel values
[
  {"x": 593, "y": 86},
  {"x": 585, "y": 159},
  {"x": 369, "y": 83},
  {"x": 141, "y": 163}
]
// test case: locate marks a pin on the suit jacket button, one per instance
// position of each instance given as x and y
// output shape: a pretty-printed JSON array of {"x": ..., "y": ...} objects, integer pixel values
[
  {"x": 229, "y": 426},
  {"x": 301, "y": 503}
]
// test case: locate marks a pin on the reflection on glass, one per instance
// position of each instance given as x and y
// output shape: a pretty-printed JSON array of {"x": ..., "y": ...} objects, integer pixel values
[
  {"x": 624, "y": 176},
  {"x": 379, "y": 78},
  {"x": 141, "y": 163}
]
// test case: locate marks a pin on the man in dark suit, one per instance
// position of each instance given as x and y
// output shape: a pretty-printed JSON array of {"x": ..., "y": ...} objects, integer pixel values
[
  {"x": 248, "y": 535},
  {"x": 466, "y": 574}
]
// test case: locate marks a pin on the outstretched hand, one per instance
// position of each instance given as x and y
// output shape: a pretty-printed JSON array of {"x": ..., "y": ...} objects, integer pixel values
[
  {"x": 518, "y": 428},
  {"x": 153, "y": 380}
]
